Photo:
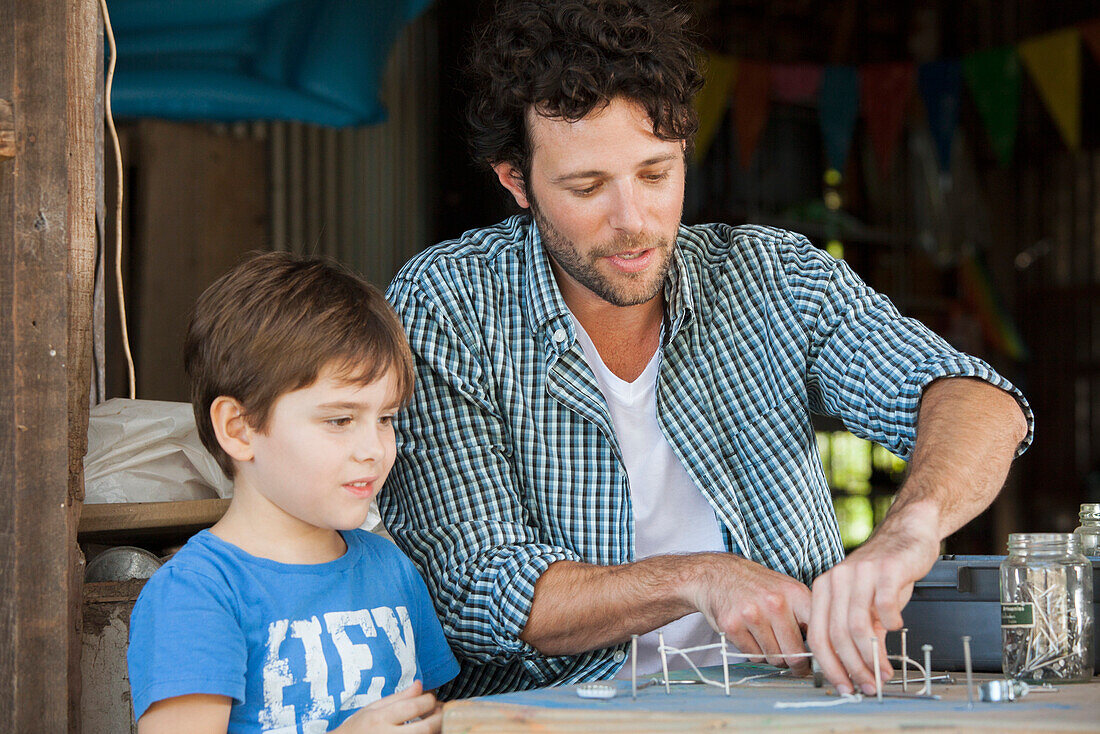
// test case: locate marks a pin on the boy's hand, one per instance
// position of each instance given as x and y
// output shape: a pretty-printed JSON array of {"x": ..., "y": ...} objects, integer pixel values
[{"x": 390, "y": 713}]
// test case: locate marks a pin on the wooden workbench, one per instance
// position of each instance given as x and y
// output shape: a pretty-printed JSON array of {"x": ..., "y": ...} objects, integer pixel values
[{"x": 1072, "y": 708}]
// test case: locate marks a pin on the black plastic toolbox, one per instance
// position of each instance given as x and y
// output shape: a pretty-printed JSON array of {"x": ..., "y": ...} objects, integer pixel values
[{"x": 961, "y": 595}]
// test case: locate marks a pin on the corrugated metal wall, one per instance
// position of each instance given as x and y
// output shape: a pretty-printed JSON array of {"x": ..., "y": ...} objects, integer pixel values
[{"x": 364, "y": 196}]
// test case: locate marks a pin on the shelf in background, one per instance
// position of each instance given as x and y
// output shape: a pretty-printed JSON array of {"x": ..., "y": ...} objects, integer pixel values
[{"x": 124, "y": 522}]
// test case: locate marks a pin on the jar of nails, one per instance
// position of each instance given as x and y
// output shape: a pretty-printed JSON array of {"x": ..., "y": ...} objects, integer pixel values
[{"x": 1047, "y": 628}]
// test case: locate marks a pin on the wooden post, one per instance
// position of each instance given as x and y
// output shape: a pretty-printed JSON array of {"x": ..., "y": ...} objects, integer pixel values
[
  {"x": 7, "y": 130},
  {"x": 47, "y": 246}
]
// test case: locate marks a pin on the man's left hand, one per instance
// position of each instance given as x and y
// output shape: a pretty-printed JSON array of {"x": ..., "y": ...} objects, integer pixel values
[
  {"x": 967, "y": 435},
  {"x": 862, "y": 597}
]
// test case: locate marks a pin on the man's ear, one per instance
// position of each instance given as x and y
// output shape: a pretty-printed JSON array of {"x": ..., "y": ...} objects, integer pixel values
[
  {"x": 511, "y": 178},
  {"x": 232, "y": 428}
]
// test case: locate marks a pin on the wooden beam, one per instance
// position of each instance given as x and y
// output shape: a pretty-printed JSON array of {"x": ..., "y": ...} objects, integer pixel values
[
  {"x": 83, "y": 47},
  {"x": 7, "y": 130},
  {"x": 8, "y": 430},
  {"x": 46, "y": 241},
  {"x": 166, "y": 523}
]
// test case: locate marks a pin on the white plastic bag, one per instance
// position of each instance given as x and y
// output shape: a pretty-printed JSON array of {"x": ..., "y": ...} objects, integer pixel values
[{"x": 148, "y": 451}]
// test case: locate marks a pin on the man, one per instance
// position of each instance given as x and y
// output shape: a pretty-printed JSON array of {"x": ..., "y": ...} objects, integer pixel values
[{"x": 610, "y": 431}]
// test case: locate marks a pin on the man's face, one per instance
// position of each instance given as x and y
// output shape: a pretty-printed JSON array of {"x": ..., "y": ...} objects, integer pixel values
[{"x": 607, "y": 196}]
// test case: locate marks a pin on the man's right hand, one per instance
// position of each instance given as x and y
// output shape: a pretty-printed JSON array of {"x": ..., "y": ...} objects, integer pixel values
[{"x": 760, "y": 610}]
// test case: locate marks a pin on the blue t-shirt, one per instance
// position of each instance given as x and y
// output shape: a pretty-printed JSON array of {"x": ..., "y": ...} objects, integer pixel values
[{"x": 290, "y": 644}]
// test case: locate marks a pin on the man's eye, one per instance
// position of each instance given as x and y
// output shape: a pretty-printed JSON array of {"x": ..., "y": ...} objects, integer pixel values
[
  {"x": 586, "y": 191},
  {"x": 656, "y": 177}
]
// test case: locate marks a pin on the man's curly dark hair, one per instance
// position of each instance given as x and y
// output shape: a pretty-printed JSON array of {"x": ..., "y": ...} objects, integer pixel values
[{"x": 569, "y": 57}]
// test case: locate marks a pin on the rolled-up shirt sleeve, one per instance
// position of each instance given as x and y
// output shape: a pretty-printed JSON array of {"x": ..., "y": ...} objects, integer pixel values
[
  {"x": 867, "y": 364},
  {"x": 452, "y": 502}
]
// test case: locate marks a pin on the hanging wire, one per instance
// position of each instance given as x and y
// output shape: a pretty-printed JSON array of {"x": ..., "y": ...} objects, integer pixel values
[{"x": 118, "y": 198}]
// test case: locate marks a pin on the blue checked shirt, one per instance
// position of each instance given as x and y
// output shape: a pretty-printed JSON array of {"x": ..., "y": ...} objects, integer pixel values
[{"x": 507, "y": 461}]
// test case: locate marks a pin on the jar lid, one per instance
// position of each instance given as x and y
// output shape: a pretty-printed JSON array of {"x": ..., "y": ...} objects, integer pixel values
[
  {"x": 1047, "y": 542},
  {"x": 1090, "y": 511}
]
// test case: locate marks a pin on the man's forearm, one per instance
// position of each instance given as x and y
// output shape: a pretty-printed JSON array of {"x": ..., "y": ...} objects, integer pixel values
[
  {"x": 967, "y": 435},
  {"x": 580, "y": 607}
]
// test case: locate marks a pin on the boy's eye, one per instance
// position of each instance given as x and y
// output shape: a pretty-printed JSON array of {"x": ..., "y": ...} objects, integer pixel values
[
  {"x": 339, "y": 422},
  {"x": 385, "y": 419}
]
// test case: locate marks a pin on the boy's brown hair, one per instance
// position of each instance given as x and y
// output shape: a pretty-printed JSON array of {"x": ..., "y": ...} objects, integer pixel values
[{"x": 271, "y": 325}]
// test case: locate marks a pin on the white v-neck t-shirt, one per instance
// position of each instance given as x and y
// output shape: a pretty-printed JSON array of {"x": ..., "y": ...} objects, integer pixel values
[{"x": 671, "y": 515}]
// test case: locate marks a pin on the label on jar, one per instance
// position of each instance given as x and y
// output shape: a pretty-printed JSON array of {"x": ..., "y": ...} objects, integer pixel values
[{"x": 1017, "y": 615}]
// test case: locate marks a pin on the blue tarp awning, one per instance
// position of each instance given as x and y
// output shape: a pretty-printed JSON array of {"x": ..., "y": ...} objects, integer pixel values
[{"x": 318, "y": 61}]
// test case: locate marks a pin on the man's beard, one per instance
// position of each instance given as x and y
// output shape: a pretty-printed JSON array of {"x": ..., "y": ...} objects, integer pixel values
[{"x": 630, "y": 289}]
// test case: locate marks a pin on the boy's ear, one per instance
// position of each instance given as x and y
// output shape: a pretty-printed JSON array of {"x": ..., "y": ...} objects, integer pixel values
[
  {"x": 232, "y": 428},
  {"x": 511, "y": 178}
]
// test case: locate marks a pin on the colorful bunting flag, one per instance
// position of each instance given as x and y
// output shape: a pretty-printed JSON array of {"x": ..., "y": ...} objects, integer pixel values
[
  {"x": 998, "y": 328},
  {"x": 712, "y": 100},
  {"x": 1054, "y": 62},
  {"x": 940, "y": 85},
  {"x": 838, "y": 103},
  {"x": 796, "y": 83},
  {"x": 994, "y": 80},
  {"x": 750, "y": 107},
  {"x": 884, "y": 91},
  {"x": 880, "y": 92}
]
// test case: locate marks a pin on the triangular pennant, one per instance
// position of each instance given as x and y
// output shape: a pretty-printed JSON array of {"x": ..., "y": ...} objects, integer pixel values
[
  {"x": 796, "y": 83},
  {"x": 884, "y": 90},
  {"x": 713, "y": 99},
  {"x": 750, "y": 107},
  {"x": 978, "y": 289},
  {"x": 940, "y": 85},
  {"x": 1054, "y": 62},
  {"x": 994, "y": 80},
  {"x": 838, "y": 104},
  {"x": 1090, "y": 34}
]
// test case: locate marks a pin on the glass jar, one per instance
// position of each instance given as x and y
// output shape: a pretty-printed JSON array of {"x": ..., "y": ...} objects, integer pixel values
[
  {"x": 1090, "y": 529},
  {"x": 1046, "y": 609}
]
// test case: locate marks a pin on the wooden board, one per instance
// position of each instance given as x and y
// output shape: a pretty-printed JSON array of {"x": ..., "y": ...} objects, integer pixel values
[
  {"x": 8, "y": 676},
  {"x": 106, "y": 703},
  {"x": 7, "y": 130},
  {"x": 751, "y": 707},
  {"x": 127, "y": 521},
  {"x": 46, "y": 244},
  {"x": 200, "y": 203}
]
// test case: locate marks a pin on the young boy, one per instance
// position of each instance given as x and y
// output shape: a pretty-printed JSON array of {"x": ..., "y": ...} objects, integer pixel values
[{"x": 284, "y": 617}]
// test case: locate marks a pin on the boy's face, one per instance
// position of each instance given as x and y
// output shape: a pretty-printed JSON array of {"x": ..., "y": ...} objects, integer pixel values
[{"x": 325, "y": 452}]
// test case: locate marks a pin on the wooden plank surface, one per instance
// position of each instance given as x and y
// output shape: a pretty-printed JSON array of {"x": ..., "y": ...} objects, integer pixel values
[
  {"x": 42, "y": 215},
  {"x": 110, "y": 592},
  {"x": 46, "y": 241},
  {"x": 128, "y": 518},
  {"x": 751, "y": 708},
  {"x": 7, "y": 130},
  {"x": 8, "y": 675},
  {"x": 201, "y": 205},
  {"x": 82, "y": 46},
  {"x": 39, "y": 310}
]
